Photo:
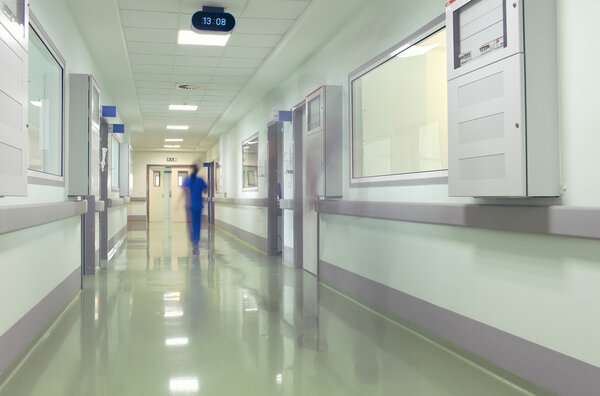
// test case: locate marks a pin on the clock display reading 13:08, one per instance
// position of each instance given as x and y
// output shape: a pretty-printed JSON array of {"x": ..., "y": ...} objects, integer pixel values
[{"x": 213, "y": 21}]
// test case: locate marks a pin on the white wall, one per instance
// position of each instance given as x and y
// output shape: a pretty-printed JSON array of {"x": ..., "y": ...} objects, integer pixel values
[
  {"x": 541, "y": 288},
  {"x": 30, "y": 264}
]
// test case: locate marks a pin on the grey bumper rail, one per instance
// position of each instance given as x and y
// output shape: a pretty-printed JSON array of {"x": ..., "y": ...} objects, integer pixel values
[{"x": 15, "y": 218}]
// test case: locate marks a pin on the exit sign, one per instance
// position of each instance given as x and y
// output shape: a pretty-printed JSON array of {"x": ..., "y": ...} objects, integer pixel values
[{"x": 171, "y": 159}]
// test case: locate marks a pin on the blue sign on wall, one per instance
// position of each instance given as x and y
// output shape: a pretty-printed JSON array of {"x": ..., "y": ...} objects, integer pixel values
[
  {"x": 109, "y": 111},
  {"x": 116, "y": 128}
]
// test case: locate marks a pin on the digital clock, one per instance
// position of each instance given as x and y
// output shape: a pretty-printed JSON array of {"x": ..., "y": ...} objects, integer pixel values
[{"x": 213, "y": 21}]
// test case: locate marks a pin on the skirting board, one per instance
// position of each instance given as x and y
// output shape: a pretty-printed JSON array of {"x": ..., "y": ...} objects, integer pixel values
[
  {"x": 542, "y": 366},
  {"x": 255, "y": 240},
  {"x": 112, "y": 242},
  {"x": 16, "y": 339}
]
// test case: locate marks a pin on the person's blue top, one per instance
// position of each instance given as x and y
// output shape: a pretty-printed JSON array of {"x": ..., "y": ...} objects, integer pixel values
[{"x": 196, "y": 186}]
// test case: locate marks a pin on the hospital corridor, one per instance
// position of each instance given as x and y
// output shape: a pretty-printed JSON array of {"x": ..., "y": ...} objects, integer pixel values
[{"x": 299, "y": 197}]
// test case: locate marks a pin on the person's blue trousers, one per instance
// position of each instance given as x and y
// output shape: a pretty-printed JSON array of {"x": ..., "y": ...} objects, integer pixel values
[{"x": 196, "y": 221}]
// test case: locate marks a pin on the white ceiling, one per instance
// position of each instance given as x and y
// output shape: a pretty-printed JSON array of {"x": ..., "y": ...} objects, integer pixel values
[
  {"x": 158, "y": 63},
  {"x": 141, "y": 62}
]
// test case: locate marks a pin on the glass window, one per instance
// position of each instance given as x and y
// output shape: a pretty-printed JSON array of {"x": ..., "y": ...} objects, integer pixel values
[
  {"x": 181, "y": 176},
  {"x": 45, "y": 108},
  {"x": 399, "y": 112},
  {"x": 114, "y": 162},
  {"x": 156, "y": 179},
  {"x": 250, "y": 162}
]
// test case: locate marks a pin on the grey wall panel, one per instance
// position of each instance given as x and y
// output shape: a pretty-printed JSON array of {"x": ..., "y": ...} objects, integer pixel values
[
  {"x": 262, "y": 202},
  {"x": 14, "y": 218},
  {"x": 538, "y": 364},
  {"x": 16, "y": 339},
  {"x": 255, "y": 240},
  {"x": 579, "y": 222}
]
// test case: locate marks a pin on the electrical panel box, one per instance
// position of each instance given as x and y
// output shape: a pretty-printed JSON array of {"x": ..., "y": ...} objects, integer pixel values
[
  {"x": 84, "y": 135},
  {"x": 323, "y": 142},
  {"x": 502, "y": 98}
]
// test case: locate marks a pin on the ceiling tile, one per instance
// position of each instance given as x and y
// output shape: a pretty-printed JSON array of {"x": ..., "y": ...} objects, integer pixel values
[
  {"x": 149, "y": 19},
  {"x": 154, "y": 69},
  {"x": 250, "y": 63},
  {"x": 263, "y": 26},
  {"x": 285, "y": 9},
  {"x": 148, "y": 5},
  {"x": 150, "y": 35},
  {"x": 151, "y": 48},
  {"x": 199, "y": 50},
  {"x": 151, "y": 59},
  {"x": 196, "y": 61},
  {"x": 247, "y": 52},
  {"x": 254, "y": 40},
  {"x": 231, "y": 71}
]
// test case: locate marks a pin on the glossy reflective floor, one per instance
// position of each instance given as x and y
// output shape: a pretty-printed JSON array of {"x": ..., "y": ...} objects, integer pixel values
[{"x": 230, "y": 321}]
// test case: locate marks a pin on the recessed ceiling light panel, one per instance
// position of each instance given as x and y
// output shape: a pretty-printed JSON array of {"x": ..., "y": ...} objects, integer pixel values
[
  {"x": 178, "y": 127},
  {"x": 183, "y": 107},
  {"x": 187, "y": 37},
  {"x": 174, "y": 140}
]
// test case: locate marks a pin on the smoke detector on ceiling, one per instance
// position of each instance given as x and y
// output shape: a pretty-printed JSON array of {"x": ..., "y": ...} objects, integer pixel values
[{"x": 188, "y": 87}]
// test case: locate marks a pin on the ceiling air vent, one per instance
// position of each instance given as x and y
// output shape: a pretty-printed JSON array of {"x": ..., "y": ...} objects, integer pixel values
[{"x": 188, "y": 87}]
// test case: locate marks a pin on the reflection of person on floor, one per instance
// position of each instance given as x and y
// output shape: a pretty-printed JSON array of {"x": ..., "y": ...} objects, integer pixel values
[{"x": 194, "y": 186}]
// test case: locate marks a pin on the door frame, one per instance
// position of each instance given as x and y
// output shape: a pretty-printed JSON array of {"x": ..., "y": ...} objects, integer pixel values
[
  {"x": 298, "y": 115},
  {"x": 148, "y": 166}
]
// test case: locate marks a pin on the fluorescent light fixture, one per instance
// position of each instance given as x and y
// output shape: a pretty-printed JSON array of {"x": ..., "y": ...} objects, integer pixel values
[
  {"x": 172, "y": 294},
  {"x": 180, "y": 341},
  {"x": 174, "y": 140},
  {"x": 36, "y": 103},
  {"x": 187, "y": 37},
  {"x": 416, "y": 50},
  {"x": 184, "y": 385},
  {"x": 175, "y": 313},
  {"x": 172, "y": 146},
  {"x": 178, "y": 127},
  {"x": 183, "y": 107}
]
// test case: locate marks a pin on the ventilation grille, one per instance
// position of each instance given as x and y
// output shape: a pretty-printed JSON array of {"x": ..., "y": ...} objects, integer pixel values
[{"x": 188, "y": 87}]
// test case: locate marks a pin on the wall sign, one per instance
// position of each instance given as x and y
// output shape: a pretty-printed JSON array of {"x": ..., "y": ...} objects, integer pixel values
[{"x": 171, "y": 159}]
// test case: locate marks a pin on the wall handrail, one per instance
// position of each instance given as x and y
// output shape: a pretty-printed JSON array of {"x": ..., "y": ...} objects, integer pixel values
[
  {"x": 579, "y": 222},
  {"x": 15, "y": 218}
]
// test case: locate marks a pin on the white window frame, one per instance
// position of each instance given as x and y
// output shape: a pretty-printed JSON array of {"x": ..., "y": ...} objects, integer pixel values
[
  {"x": 255, "y": 188},
  {"x": 415, "y": 178},
  {"x": 34, "y": 176}
]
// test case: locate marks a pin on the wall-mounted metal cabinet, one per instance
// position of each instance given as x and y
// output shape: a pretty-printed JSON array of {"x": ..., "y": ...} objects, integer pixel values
[
  {"x": 84, "y": 135},
  {"x": 323, "y": 142},
  {"x": 502, "y": 98},
  {"x": 14, "y": 142}
]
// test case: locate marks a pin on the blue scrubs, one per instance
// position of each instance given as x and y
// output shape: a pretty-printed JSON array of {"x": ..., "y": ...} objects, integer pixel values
[{"x": 195, "y": 186}]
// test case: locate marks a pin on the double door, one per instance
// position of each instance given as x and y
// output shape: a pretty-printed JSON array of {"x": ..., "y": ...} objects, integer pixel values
[{"x": 166, "y": 197}]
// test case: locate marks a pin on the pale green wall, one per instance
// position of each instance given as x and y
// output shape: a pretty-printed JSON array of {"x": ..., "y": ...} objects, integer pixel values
[
  {"x": 249, "y": 218},
  {"x": 31, "y": 265},
  {"x": 542, "y": 288},
  {"x": 117, "y": 220}
]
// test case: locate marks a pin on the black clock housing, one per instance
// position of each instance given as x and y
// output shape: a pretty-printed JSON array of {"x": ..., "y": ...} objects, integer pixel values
[{"x": 209, "y": 21}]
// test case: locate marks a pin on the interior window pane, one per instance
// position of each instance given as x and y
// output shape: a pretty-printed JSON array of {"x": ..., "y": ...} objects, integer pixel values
[
  {"x": 45, "y": 108},
  {"x": 399, "y": 120},
  {"x": 250, "y": 162},
  {"x": 115, "y": 160}
]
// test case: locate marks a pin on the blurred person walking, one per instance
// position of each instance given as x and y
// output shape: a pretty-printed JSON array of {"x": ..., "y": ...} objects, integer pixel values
[{"x": 194, "y": 187}]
